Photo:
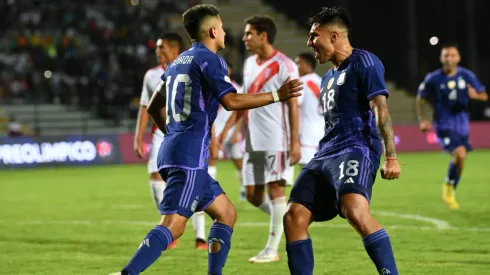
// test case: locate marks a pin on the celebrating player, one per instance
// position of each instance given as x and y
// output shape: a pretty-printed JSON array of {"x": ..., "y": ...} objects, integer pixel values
[
  {"x": 272, "y": 138},
  {"x": 339, "y": 179},
  {"x": 310, "y": 107},
  {"x": 232, "y": 147},
  {"x": 448, "y": 91},
  {"x": 168, "y": 47},
  {"x": 184, "y": 107}
]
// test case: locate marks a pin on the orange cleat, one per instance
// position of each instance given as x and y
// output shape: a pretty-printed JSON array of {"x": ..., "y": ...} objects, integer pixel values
[
  {"x": 201, "y": 244},
  {"x": 172, "y": 245}
]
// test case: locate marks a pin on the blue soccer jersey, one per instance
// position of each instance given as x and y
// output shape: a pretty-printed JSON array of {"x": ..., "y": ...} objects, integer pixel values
[
  {"x": 195, "y": 82},
  {"x": 345, "y": 94},
  {"x": 449, "y": 97}
]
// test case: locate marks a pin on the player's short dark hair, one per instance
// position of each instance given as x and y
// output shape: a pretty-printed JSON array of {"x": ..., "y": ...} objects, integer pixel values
[
  {"x": 193, "y": 18},
  {"x": 331, "y": 15},
  {"x": 263, "y": 23},
  {"x": 450, "y": 45},
  {"x": 309, "y": 58},
  {"x": 173, "y": 37}
]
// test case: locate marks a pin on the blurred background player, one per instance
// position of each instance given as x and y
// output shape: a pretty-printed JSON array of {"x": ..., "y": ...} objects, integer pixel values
[
  {"x": 168, "y": 47},
  {"x": 311, "y": 114},
  {"x": 197, "y": 74},
  {"x": 448, "y": 90},
  {"x": 272, "y": 139},
  {"x": 339, "y": 179},
  {"x": 233, "y": 144}
]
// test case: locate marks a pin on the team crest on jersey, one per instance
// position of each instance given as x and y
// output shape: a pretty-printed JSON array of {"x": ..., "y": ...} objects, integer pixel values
[
  {"x": 451, "y": 84},
  {"x": 341, "y": 78},
  {"x": 330, "y": 82},
  {"x": 461, "y": 83}
]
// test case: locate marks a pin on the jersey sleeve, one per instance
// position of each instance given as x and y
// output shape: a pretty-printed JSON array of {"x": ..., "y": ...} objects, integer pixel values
[
  {"x": 216, "y": 74},
  {"x": 288, "y": 69},
  {"x": 372, "y": 72},
  {"x": 145, "y": 91},
  {"x": 424, "y": 90},
  {"x": 473, "y": 80}
]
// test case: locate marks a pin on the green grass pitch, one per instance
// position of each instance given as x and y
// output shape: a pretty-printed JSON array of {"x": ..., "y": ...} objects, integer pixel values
[{"x": 90, "y": 220}]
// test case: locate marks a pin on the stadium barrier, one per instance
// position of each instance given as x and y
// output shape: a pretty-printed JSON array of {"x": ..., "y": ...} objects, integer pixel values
[{"x": 25, "y": 152}]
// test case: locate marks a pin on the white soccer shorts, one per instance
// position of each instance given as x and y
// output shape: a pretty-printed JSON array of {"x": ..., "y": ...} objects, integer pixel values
[
  {"x": 156, "y": 142},
  {"x": 262, "y": 167},
  {"x": 307, "y": 153}
]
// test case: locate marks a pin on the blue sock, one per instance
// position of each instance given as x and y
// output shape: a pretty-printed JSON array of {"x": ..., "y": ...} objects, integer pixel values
[
  {"x": 220, "y": 233},
  {"x": 453, "y": 173},
  {"x": 150, "y": 249},
  {"x": 300, "y": 257},
  {"x": 378, "y": 247}
]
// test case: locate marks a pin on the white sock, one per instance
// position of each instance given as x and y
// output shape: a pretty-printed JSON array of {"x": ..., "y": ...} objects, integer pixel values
[
  {"x": 212, "y": 171},
  {"x": 276, "y": 228},
  {"x": 266, "y": 205},
  {"x": 198, "y": 222},
  {"x": 156, "y": 188}
]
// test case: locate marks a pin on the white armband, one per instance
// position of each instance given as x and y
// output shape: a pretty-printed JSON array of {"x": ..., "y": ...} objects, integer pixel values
[{"x": 275, "y": 95}]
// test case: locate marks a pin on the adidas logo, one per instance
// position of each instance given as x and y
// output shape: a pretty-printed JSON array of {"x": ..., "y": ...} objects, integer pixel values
[
  {"x": 145, "y": 242},
  {"x": 349, "y": 180},
  {"x": 384, "y": 271}
]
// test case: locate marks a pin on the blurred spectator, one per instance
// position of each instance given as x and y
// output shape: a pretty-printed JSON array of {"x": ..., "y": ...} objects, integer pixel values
[{"x": 14, "y": 128}]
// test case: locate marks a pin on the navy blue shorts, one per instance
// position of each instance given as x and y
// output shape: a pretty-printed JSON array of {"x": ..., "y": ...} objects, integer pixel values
[
  {"x": 450, "y": 140},
  {"x": 187, "y": 191},
  {"x": 323, "y": 180}
]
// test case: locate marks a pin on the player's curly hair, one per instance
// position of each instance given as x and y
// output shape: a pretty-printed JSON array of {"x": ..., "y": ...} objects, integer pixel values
[
  {"x": 329, "y": 15},
  {"x": 193, "y": 17}
]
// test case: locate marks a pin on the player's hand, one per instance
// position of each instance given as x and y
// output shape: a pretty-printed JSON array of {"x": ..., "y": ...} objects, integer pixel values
[
  {"x": 425, "y": 126},
  {"x": 391, "y": 169},
  {"x": 290, "y": 88},
  {"x": 220, "y": 140},
  {"x": 294, "y": 153},
  {"x": 472, "y": 93},
  {"x": 138, "y": 148}
]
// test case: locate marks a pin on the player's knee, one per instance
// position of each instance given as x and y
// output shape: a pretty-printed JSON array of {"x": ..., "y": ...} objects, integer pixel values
[
  {"x": 175, "y": 223},
  {"x": 459, "y": 155},
  {"x": 276, "y": 189},
  {"x": 357, "y": 216},
  {"x": 295, "y": 218},
  {"x": 228, "y": 215},
  {"x": 156, "y": 176}
]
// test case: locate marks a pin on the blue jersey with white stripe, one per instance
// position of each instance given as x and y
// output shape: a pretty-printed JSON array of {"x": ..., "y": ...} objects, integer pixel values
[
  {"x": 449, "y": 97},
  {"x": 194, "y": 82},
  {"x": 345, "y": 95}
]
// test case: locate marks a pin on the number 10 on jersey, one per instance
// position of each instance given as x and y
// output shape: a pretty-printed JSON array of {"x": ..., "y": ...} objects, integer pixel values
[{"x": 181, "y": 83}]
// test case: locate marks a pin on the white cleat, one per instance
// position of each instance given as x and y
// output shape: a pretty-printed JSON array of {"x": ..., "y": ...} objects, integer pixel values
[
  {"x": 265, "y": 256},
  {"x": 115, "y": 273}
]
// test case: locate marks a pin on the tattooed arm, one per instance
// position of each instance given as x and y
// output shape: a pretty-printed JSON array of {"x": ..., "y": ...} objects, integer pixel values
[
  {"x": 391, "y": 168},
  {"x": 379, "y": 106}
]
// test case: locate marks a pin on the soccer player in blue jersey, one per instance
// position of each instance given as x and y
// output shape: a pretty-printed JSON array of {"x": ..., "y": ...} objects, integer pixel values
[
  {"x": 340, "y": 177},
  {"x": 447, "y": 90},
  {"x": 184, "y": 107}
]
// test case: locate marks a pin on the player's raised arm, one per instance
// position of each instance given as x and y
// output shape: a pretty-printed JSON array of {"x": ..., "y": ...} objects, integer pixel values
[
  {"x": 157, "y": 107},
  {"x": 290, "y": 89}
]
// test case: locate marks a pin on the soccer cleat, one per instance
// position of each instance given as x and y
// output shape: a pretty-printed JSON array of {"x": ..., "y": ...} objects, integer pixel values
[
  {"x": 265, "y": 256},
  {"x": 116, "y": 273},
  {"x": 172, "y": 245},
  {"x": 449, "y": 197},
  {"x": 201, "y": 244}
]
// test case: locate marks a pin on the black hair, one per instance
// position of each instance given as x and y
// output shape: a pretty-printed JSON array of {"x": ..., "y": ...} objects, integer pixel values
[
  {"x": 309, "y": 58},
  {"x": 263, "y": 24},
  {"x": 193, "y": 18},
  {"x": 173, "y": 37},
  {"x": 331, "y": 15},
  {"x": 450, "y": 45}
]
